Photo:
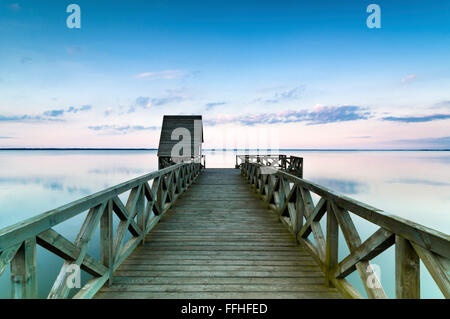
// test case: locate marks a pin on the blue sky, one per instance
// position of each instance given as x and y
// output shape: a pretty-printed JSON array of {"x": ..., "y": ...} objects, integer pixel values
[{"x": 309, "y": 74}]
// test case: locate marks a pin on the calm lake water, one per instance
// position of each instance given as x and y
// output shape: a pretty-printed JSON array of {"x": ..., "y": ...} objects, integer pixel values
[{"x": 411, "y": 184}]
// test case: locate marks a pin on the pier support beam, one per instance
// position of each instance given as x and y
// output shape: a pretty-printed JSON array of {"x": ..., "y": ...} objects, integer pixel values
[{"x": 331, "y": 245}]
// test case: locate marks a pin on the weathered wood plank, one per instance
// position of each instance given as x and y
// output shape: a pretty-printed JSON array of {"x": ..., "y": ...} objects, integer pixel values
[
  {"x": 62, "y": 247},
  {"x": 346, "y": 289},
  {"x": 439, "y": 268},
  {"x": 231, "y": 236},
  {"x": 316, "y": 229},
  {"x": 6, "y": 256},
  {"x": 106, "y": 240},
  {"x": 407, "y": 270},
  {"x": 369, "y": 279},
  {"x": 144, "y": 260},
  {"x": 317, "y": 214},
  {"x": 331, "y": 260},
  {"x": 23, "y": 271},
  {"x": 223, "y": 273},
  {"x": 215, "y": 267},
  {"x": 219, "y": 255},
  {"x": 223, "y": 248},
  {"x": 223, "y": 295},
  {"x": 183, "y": 288},
  {"x": 60, "y": 288},
  {"x": 372, "y": 247},
  {"x": 149, "y": 280},
  {"x": 249, "y": 244},
  {"x": 91, "y": 287}
]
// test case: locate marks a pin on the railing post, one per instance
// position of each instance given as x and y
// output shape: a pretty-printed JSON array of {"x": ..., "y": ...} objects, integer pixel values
[
  {"x": 106, "y": 239},
  {"x": 299, "y": 212},
  {"x": 407, "y": 270},
  {"x": 281, "y": 195},
  {"x": 140, "y": 208},
  {"x": 23, "y": 271},
  {"x": 301, "y": 167},
  {"x": 160, "y": 192},
  {"x": 283, "y": 159},
  {"x": 331, "y": 259}
]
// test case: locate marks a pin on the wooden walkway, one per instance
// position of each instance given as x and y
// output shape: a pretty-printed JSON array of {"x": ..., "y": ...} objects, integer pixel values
[{"x": 219, "y": 241}]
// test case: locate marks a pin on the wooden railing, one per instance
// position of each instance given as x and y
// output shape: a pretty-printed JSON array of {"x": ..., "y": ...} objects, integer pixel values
[
  {"x": 145, "y": 205},
  {"x": 290, "y": 164},
  {"x": 291, "y": 198},
  {"x": 166, "y": 161}
]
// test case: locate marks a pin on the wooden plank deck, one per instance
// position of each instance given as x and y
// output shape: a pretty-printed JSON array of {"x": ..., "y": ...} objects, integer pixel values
[{"x": 219, "y": 241}]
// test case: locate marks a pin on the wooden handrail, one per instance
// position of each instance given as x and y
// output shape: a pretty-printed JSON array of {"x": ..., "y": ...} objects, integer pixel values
[
  {"x": 290, "y": 164},
  {"x": 290, "y": 197},
  {"x": 144, "y": 207},
  {"x": 166, "y": 161}
]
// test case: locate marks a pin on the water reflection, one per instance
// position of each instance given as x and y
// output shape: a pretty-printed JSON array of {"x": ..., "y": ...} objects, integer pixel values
[
  {"x": 418, "y": 181},
  {"x": 25, "y": 180},
  {"x": 348, "y": 187},
  {"x": 117, "y": 170},
  {"x": 52, "y": 184}
]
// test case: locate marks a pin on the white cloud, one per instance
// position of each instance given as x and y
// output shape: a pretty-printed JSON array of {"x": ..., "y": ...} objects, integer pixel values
[
  {"x": 318, "y": 115},
  {"x": 121, "y": 129},
  {"x": 165, "y": 75}
]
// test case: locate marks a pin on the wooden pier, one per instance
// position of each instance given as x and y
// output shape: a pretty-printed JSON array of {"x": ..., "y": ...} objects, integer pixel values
[
  {"x": 219, "y": 241},
  {"x": 252, "y": 231}
]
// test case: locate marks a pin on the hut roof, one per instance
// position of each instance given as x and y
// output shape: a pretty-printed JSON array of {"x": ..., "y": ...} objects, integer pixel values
[{"x": 171, "y": 122}]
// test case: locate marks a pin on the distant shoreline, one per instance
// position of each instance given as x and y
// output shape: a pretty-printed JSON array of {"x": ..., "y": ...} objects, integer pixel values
[{"x": 228, "y": 150}]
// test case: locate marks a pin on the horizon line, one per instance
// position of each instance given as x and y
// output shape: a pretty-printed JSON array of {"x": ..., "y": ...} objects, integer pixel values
[{"x": 216, "y": 149}]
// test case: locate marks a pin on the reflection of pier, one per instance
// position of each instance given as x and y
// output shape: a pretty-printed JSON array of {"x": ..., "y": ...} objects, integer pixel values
[{"x": 252, "y": 232}]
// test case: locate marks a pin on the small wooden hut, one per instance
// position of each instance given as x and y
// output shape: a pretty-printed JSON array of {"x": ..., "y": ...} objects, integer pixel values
[{"x": 181, "y": 139}]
